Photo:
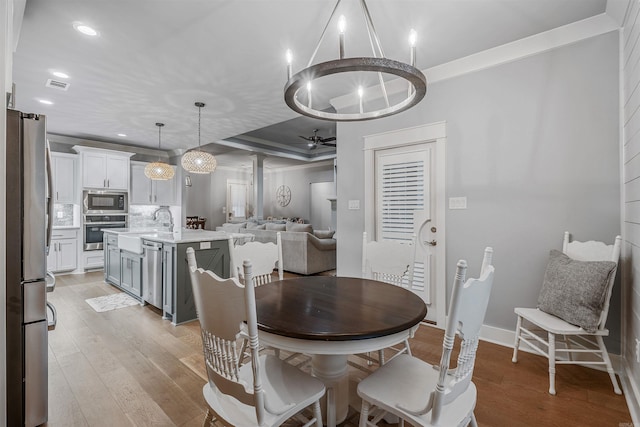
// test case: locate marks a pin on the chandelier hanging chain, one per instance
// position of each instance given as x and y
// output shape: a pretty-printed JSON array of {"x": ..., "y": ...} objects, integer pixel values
[
  {"x": 313, "y": 56},
  {"x": 371, "y": 32},
  {"x": 371, "y": 29}
]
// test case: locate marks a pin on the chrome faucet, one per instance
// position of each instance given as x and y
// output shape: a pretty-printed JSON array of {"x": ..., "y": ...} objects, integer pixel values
[{"x": 164, "y": 209}]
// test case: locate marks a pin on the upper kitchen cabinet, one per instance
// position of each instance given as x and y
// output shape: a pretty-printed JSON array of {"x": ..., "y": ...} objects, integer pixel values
[
  {"x": 145, "y": 191},
  {"x": 104, "y": 169},
  {"x": 63, "y": 168}
]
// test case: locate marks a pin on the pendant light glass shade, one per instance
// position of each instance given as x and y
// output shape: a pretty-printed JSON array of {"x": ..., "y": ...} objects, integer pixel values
[
  {"x": 196, "y": 160},
  {"x": 159, "y": 171}
]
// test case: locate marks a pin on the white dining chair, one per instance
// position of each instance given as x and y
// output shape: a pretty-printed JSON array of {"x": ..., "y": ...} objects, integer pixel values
[
  {"x": 428, "y": 395},
  {"x": 266, "y": 392},
  {"x": 392, "y": 262},
  {"x": 539, "y": 329},
  {"x": 265, "y": 257}
]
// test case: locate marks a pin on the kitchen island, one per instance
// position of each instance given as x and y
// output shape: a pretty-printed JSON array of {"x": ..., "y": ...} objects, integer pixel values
[{"x": 132, "y": 265}]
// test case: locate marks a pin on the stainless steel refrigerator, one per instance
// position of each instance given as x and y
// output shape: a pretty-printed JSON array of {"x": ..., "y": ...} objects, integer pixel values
[{"x": 28, "y": 221}]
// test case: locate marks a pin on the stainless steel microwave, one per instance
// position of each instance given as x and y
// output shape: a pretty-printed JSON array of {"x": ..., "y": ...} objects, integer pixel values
[{"x": 105, "y": 202}]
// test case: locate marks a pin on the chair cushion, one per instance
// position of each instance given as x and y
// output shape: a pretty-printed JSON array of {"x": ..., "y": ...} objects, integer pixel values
[{"x": 575, "y": 291}]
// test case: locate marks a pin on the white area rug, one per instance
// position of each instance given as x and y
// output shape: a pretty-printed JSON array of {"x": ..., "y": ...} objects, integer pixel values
[{"x": 111, "y": 302}]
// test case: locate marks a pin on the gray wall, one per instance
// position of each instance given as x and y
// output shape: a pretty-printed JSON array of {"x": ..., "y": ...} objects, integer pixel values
[
  {"x": 297, "y": 179},
  {"x": 533, "y": 145}
]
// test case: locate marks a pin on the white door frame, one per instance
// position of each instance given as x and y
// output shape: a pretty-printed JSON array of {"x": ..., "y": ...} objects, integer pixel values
[
  {"x": 247, "y": 201},
  {"x": 435, "y": 133}
]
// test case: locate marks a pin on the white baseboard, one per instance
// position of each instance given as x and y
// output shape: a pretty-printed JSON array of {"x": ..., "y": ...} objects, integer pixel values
[{"x": 631, "y": 390}]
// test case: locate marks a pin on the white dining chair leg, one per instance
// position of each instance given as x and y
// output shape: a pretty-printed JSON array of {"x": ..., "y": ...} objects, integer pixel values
[
  {"x": 364, "y": 414},
  {"x": 552, "y": 363},
  {"x": 514, "y": 359},
  {"x": 567, "y": 345},
  {"x": 473, "y": 422},
  {"x": 607, "y": 360},
  {"x": 317, "y": 413},
  {"x": 208, "y": 419}
]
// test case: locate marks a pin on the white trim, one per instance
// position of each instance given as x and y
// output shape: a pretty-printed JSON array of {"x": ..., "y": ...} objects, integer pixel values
[
  {"x": 617, "y": 10},
  {"x": 327, "y": 163},
  {"x": 631, "y": 391},
  {"x": 554, "y": 38},
  {"x": 428, "y": 133}
]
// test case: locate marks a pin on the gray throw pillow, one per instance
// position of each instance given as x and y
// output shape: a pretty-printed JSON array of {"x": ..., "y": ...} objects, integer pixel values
[
  {"x": 575, "y": 291},
  {"x": 305, "y": 228},
  {"x": 275, "y": 227},
  {"x": 324, "y": 234}
]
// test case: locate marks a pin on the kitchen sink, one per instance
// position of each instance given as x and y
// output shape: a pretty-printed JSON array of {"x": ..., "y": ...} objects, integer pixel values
[{"x": 131, "y": 242}]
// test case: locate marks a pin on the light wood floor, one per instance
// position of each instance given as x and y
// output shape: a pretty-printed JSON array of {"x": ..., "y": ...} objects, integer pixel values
[{"x": 128, "y": 367}]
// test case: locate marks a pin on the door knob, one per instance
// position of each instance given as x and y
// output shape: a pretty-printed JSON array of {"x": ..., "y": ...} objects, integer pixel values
[{"x": 431, "y": 243}]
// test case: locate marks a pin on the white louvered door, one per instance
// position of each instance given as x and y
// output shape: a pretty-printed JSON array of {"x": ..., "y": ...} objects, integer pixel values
[{"x": 404, "y": 204}]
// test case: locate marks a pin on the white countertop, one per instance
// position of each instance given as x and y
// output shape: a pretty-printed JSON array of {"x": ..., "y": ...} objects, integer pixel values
[
  {"x": 181, "y": 236},
  {"x": 65, "y": 227}
]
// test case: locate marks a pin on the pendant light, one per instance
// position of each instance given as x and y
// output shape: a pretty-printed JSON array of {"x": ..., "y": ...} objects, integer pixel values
[
  {"x": 196, "y": 160},
  {"x": 159, "y": 170}
]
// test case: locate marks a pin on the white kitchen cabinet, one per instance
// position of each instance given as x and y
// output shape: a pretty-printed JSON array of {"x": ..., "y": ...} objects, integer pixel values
[
  {"x": 63, "y": 252},
  {"x": 104, "y": 169},
  {"x": 145, "y": 191},
  {"x": 63, "y": 168}
]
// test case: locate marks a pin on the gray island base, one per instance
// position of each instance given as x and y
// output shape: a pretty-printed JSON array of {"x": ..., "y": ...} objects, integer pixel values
[{"x": 125, "y": 260}]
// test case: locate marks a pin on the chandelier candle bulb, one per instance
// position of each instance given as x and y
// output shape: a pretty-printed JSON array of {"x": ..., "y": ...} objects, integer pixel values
[
  {"x": 342, "y": 23},
  {"x": 413, "y": 36},
  {"x": 360, "y": 95},
  {"x": 309, "y": 93},
  {"x": 289, "y": 56}
]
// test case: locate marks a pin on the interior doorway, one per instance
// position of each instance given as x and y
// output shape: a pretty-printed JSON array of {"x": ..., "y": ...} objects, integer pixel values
[
  {"x": 320, "y": 209},
  {"x": 237, "y": 200}
]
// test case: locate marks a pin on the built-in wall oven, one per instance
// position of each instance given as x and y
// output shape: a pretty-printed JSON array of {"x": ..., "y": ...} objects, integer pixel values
[
  {"x": 94, "y": 226},
  {"x": 102, "y": 210}
]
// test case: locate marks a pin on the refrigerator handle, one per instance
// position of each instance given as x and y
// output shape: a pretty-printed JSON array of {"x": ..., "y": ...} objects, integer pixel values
[{"x": 49, "y": 198}]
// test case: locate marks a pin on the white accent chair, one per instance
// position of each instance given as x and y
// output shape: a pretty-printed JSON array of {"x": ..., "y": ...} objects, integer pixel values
[
  {"x": 391, "y": 262},
  {"x": 539, "y": 329},
  {"x": 424, "y": 394},
  {"x": 265, "y": 392},
  {"x": 265, "y": 257}
]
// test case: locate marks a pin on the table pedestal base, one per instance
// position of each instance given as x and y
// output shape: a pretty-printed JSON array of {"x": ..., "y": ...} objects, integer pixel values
[{"x": 332, "y": 370}]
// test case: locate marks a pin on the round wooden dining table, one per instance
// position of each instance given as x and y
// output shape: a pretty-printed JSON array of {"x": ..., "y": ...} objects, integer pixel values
[{"x": 332, "y": 317}]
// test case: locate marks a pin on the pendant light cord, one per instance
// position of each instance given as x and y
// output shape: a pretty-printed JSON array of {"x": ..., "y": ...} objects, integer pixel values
[{"x": 199, "y": 109}]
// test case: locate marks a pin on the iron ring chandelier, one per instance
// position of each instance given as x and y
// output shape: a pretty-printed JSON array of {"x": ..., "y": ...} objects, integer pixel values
[
  {"x": 301, "y": 79},
  {"x": 378, "y": 63}
]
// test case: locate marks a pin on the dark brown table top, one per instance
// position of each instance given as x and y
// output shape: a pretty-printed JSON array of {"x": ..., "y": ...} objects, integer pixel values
[{"x": 336, "y": 308}]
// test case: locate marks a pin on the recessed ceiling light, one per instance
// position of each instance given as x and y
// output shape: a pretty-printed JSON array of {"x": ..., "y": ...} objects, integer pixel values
[
  {"x": 122, "y": 134},
  {"x": 84, "y": 29},
  {"x": 60, "y": 74},
  {"x": 45, "y": 101}
]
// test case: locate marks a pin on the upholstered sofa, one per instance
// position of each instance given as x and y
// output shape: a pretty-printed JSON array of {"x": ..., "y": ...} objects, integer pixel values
[{"x": 304, "y": 251}]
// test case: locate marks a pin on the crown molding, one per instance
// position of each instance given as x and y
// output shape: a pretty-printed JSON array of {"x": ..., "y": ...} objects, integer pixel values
[{"x": 528, "y": 46}]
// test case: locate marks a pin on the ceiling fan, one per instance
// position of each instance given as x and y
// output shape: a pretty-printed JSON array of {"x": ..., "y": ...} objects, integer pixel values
[{"x": 316, "y": 140}]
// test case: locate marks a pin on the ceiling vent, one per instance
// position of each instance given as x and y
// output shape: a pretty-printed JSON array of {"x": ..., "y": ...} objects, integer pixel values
[{"x": 57, "y": 84}]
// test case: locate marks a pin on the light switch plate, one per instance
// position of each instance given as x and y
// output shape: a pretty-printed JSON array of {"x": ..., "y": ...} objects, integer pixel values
[
  {"x": 354, "y": 205},
  {"x": 457, "y": 203}
]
